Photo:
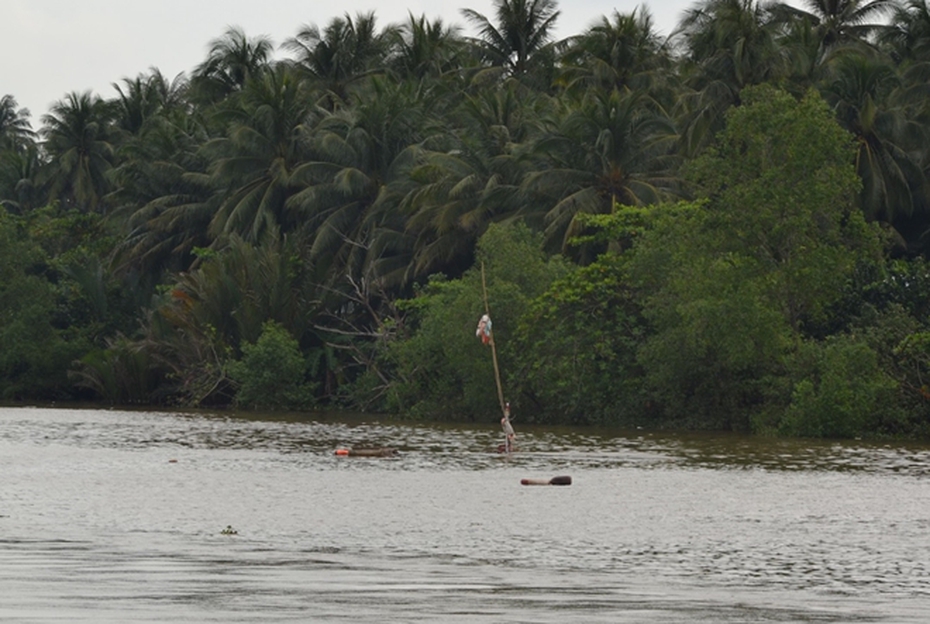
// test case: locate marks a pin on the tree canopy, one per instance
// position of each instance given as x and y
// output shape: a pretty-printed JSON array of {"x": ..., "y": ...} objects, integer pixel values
[{"x": 722, "y": 228}]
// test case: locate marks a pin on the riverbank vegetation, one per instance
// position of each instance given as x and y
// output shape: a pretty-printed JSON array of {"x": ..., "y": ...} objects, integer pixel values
[{"x": 726, "y": 228}]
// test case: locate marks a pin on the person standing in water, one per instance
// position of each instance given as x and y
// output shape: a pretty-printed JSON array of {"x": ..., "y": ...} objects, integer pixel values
[{"x": 509, "y": 434}]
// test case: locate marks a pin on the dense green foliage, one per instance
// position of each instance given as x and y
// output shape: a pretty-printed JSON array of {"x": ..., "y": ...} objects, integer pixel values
[
  {"x": 576, "y": 349},
  {"x": 732, "y": 284},
  {"x": 723, "y": 229},
  {"x": 272, "y": 371},
  {"x": 441, "y": 370}
]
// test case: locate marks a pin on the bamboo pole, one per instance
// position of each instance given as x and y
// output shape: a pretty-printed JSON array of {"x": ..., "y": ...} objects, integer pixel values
[
  {"x": 566, "y": 480},
  {"x": 497, "y": 370}
]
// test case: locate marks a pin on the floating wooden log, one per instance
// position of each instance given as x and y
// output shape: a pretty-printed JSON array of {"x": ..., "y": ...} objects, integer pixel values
[
  {"x": 565, "y": 480},
  {"x": 368, "y": 452}
]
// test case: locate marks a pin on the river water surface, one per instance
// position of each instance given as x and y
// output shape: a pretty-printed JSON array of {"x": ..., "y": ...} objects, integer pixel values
[{"x": 118, "y": 516}]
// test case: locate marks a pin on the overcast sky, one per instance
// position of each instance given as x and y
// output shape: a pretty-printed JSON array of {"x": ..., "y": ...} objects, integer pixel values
[{"x": 49, "y": 48}]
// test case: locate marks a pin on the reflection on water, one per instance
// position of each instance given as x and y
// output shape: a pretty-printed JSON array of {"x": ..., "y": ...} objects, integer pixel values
[{"x": 113, "y": 516}]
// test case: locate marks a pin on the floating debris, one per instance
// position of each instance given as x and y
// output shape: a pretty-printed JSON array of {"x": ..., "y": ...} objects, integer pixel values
[
  {"x": 565, "y": 480},
  {"x": 367, "y": 452}
]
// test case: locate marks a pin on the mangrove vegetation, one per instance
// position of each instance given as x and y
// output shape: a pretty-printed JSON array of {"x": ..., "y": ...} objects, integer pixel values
[{"x": 725, "y": 227}]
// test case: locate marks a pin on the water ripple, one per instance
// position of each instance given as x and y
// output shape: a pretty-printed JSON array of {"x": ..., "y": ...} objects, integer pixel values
[{"x": 114, "y": 516}]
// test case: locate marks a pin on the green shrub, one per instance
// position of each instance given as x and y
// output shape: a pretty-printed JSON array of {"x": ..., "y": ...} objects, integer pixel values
[
  {"x": 272, "y": 372},
  {"x": 844, "y": 394},
  {"x": 441, "y": 371},
  {"x": 576, "y": 349}
]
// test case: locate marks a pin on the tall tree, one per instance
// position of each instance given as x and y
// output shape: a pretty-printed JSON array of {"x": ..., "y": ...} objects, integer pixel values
[
  {"x": 141, "y": 98},
  {"x": 357, "y": 156},
  {"x": 862, "y": 90},
  {"x": 907, "y": 36},
  {"x": 727, "y": 45},
  {"x": 78, "y": 135},
  {"x": 252, "y": 167},
  {"x": 163, "y": 193},
  {"x": 20, "y": 162},
  {"x": 734, "y": 283},
  {"x": 733, "y": 41},
  {"x": 21, "y": 189},
  {"x": 34, "y": 353},
  {"x": 469, "y": 178},
  {"x": 15, "y": 130},
  {"x": 611, "y": 149},
  {"x": 232, "y": 59},
  {"x": 522, "y": 36},
  {"x": 427, "y": 49},
  {"x": 804, "y": 52},
  {"x": 157, "y": 127},
  {"x": 838, "y": 22},
  {"x": 341, "y": 54},
  {"x": 624, "y": 51}
]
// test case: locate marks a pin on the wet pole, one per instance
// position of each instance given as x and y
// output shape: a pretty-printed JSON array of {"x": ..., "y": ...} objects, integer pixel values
[{"x": 497, "y": 370}]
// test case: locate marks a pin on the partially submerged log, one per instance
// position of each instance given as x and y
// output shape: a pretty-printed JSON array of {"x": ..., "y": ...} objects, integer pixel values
[
  {"x": 368, "y": 452},
  {"x": 565, "y": 480}
]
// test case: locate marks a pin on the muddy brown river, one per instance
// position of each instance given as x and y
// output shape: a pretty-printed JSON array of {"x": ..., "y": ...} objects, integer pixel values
[{"x": 119, "y": 516}]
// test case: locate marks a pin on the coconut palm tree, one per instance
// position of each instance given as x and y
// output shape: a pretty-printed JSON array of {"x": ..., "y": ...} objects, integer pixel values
[
  {"x": 78, "y": 134},
  {"x": 727, "y": 46},
  {"x": 907, "y": 36},
  {"x": 19, "y": 158},
  {"x": 151, "y": 118},
  {"x": 612, "y": 148},
  {"x": 862, "y": 89},
  {"x": 232, "y": 59},
  {"x": 521, "y": 40},
  {"x": 804, "y": 53},
  {"x": 163, "y": 192},
  {"x": 621, "y": 52},
  {"x": 838, "y": 22},
  {"x": 427, "y": 49},
  {"x": 469, "y": 178},
  {"x": 20, "y": 188},
  {"x": 251, "y": 167},
  {"x": 730, "y": 40},
  {"x": 358, "y": 156},
  {"x": 907, "y": 41},
  {"x": 145, "y": 96},
  {"x": 164, "y": 233},
  {"x": 15, "y": 130},
  {"x": 346, "y": 51}
]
